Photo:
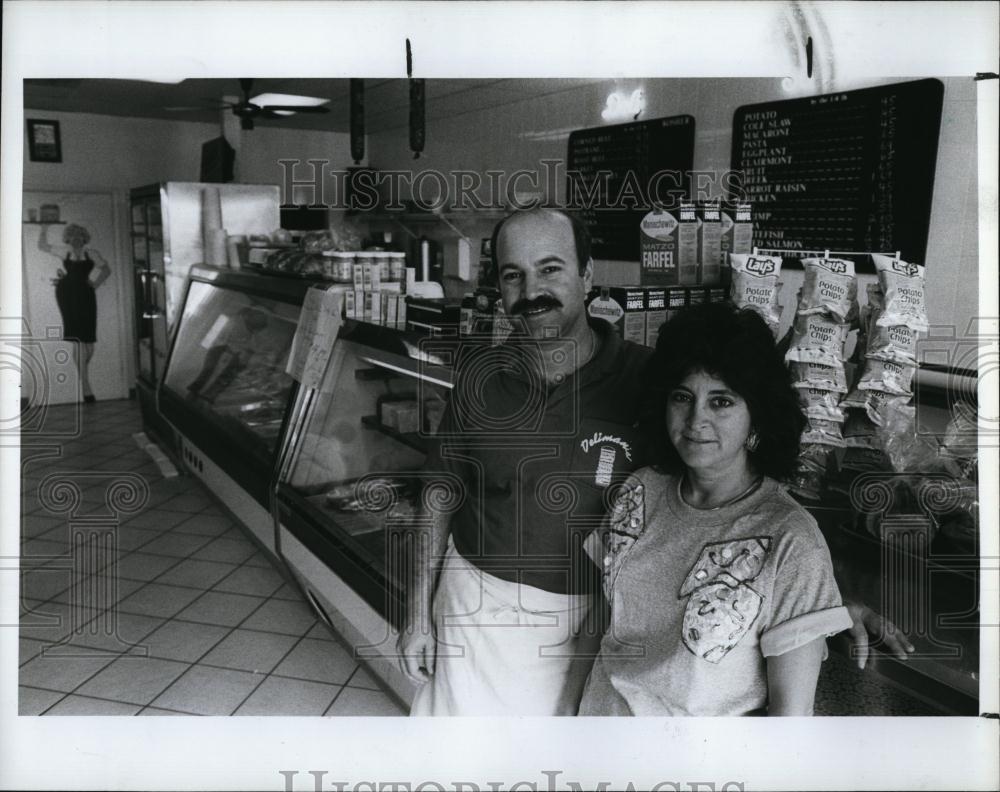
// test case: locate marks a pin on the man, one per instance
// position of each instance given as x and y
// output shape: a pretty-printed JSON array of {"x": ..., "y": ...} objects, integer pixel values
[{"x": 535, "y": 433}]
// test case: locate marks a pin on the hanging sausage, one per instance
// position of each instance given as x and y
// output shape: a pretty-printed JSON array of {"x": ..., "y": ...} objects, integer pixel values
[
  {"x": 416, "y": 117},
  {"x": 357, "y": 120}
]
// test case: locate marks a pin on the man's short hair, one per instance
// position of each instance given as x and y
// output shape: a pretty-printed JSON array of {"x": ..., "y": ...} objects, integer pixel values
[{"x": 581, "y": 237}]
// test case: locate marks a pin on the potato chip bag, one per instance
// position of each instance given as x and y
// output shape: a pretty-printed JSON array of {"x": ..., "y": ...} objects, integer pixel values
[
  {"x": 824, "y": 404},
  {"x": 859, "y": 431},
  {"x": 754, "y": 284},
  {"x": 873, "y": 402},
  {"x": 817, "y": 339},
  {"x": 817, "y": 375},
  {"x": 885, "y": 375},
  {"x": 823, "y": 432},
  {"x": 829, "y": 287},
  {"x": 902, "y": 286}
]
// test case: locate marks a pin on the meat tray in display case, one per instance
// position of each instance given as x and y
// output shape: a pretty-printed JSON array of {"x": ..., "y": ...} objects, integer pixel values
[
  {"x": 350, "y": 478},
  {"x": 226, "y": 392}
]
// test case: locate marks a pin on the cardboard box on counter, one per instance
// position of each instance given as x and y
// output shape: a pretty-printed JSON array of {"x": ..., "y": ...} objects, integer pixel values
[
  {"x": 687, "y": 244},
  {"x": 737, "y": 232},
  {"x": 623, "y": 307},
  {"x": 709, "y": 243},
  {"x": 658, "y": 243},
  {"x": 656, "y": 313}
]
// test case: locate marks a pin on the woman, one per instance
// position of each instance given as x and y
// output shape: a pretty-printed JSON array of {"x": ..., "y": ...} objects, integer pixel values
[
  {"x": 720, "y": 585},
  {"x": 75, "y": 294}
]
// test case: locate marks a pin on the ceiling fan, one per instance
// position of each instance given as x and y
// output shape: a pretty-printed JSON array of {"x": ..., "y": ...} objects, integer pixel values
[{"x": 247, "y": 111}]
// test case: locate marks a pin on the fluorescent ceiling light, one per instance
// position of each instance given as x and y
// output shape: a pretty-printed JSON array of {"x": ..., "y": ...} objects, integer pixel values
[{"x": 287, "y": 99}]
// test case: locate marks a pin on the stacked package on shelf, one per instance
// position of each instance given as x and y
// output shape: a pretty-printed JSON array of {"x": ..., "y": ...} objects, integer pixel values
[
  {"x": 826, "y": 307},
  {"x": 886, "y": 358}
]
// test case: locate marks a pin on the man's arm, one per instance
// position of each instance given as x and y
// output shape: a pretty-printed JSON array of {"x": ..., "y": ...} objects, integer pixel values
[{"x": 416, "y": 642}]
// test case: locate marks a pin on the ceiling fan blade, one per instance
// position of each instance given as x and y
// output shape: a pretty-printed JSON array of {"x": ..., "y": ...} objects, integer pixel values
[{"x": 297, "y": 108}]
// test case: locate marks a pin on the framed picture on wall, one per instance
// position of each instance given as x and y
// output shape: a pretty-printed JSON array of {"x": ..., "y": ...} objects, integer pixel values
[{"x": 43, "y": 141}]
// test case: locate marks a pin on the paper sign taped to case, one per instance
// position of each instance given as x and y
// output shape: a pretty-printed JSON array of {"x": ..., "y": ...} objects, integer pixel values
[{"x": 319, "y": 323}]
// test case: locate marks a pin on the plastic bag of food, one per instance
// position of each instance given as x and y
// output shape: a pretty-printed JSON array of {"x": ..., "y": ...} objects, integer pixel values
[
  {"x": 817, "y": 339},
  {"x": 823, "y": 404},
  {"x": 755, "y": 285},
  {"x": 317, "y": 242},
  {"x": 806, "y": 484},
  {"x": 860, "y": 431},
  {"x": 961, "y": 439},
  {"x": 347, "y": 235},
  {"x": 817, "y": 375},
  {"x": 902, "y": 286},
  {"x": 821, "y": 432},
  {"x": 864, "y": 459},
  {"x": 813, "y": 456},
  {"x": 829, "y": 287},
  {"x": 873, "y": 402},
  {"x": 885, "y": 375}
]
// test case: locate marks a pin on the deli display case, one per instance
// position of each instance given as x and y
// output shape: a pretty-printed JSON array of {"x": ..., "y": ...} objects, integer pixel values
[
  {"x": 166, "y": 233},
  {"x": 226, "y": 392},
  {"x": 349, "y": 479}
]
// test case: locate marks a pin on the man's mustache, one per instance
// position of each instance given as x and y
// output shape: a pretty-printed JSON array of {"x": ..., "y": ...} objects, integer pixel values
[{"x": 543, "y": 302}]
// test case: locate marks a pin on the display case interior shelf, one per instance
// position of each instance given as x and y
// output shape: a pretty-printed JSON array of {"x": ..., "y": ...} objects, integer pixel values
[{"x": 411, "y": 439}]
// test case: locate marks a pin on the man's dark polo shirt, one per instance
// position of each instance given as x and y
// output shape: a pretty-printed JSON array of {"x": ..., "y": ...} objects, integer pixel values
[{"x": 536, "y": 460}]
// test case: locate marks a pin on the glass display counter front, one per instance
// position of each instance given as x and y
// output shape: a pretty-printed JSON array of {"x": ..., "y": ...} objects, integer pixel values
[
  {"x": 225, "y": 390},
  {"x": 350, "y": 478}
]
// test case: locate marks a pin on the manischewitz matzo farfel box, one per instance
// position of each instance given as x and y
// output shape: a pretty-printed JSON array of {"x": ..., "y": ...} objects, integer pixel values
[
  {"x": 736, "y": 232},
  {"x": 709, "y": 243},
  {"x": 624, "y": 307},
  {"x": 656, "y": 312},
  {"x": 658, "y": 249}
]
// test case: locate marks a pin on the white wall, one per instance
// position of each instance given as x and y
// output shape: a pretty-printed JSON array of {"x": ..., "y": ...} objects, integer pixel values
[{"x": 521, "y": 134}]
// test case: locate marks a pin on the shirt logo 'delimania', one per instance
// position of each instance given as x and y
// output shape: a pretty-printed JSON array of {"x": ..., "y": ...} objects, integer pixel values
[{"x": 597, "y": 438}]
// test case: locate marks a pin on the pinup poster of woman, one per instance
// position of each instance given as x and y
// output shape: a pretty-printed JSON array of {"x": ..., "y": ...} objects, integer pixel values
[{"x": 82, "y": 271}]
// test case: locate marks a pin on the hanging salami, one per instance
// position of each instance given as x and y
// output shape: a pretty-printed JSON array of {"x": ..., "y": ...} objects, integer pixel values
[
  {"x": 416, "y": 117},
  {"x": 357, "y": 120}
]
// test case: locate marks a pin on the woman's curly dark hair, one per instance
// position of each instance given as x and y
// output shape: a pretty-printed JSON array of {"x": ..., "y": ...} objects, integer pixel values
[{"x": 737, "y": 347}]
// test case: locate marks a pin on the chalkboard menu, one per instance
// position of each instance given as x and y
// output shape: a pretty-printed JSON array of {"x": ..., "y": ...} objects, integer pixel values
[
  {"x": 615, "y": 174},
  {"x": 851, "y": 171}
]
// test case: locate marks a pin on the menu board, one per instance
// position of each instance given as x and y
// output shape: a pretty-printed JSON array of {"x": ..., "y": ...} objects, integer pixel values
[
  {"x": 851, "y": 171},
  {"x": 615, "y": 175}
]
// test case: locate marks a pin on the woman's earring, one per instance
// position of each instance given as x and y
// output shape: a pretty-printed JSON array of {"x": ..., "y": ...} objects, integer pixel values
[{"x": 752, "y": 441}]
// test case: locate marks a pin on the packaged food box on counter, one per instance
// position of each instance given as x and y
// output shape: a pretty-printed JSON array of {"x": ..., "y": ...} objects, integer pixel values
[
  {"x": 433, "y": 315},
  {"x": 408, "y": 419},
  {"x": 687, "y": 244},
  {"x": 622, "y": 307},
  {"x": 656, "y": 313},
  {"x": 698, "y": 295},
  {"x": 709, "y": 243},
  {"x": 736, "y": 233},
  {"x": 677, "y": 298},
  {"x": 659, "y": 240}
]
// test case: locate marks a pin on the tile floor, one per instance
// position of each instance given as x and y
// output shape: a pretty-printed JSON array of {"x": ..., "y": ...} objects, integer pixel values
[{"x": 203, "y": 623}]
